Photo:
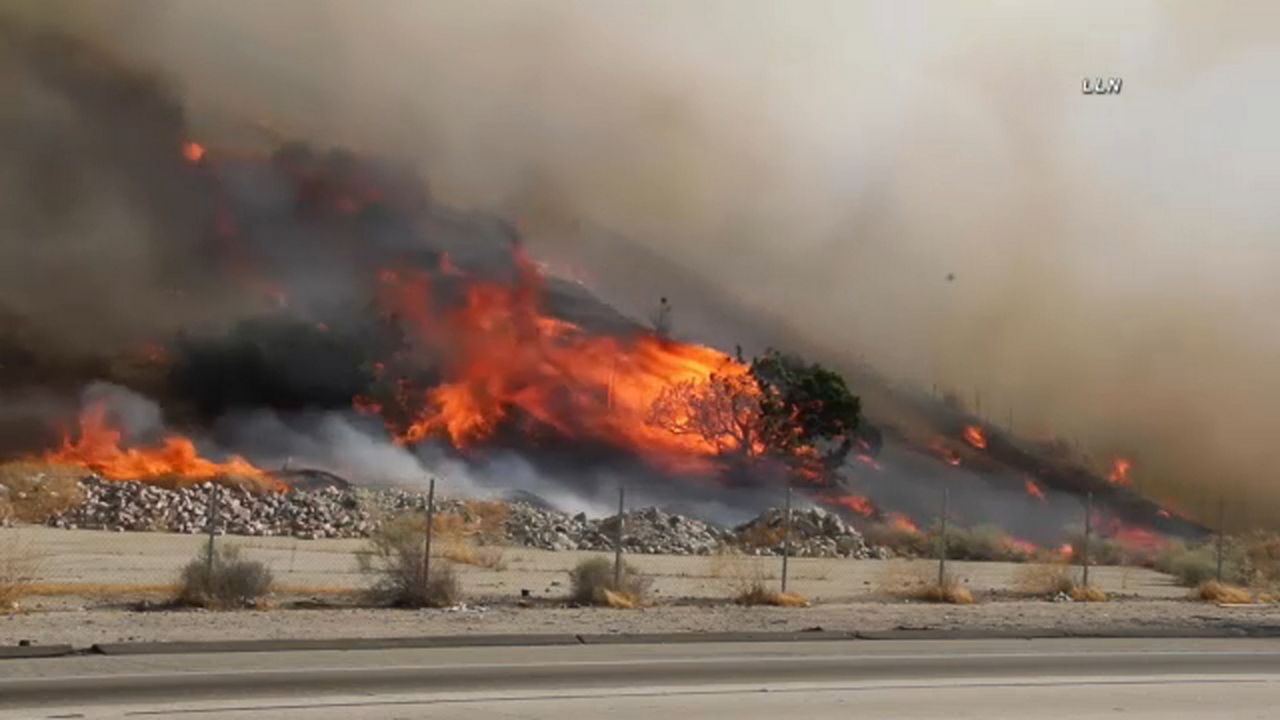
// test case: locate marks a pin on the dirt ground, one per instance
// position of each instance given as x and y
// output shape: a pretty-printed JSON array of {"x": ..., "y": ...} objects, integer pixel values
[{"x": 89, "y": 579}]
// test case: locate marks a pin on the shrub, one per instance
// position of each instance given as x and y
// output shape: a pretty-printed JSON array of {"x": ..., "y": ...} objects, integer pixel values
[
  {"x": 1191, "y": 566},
  {"x": 592, "y": 583},
  {"x": 950, "y": 590},
  {"x": 1045, "y": 579},
  {"x": 758, "y": 594},
  {"x": 225, "y": 582},
  {"x": 1216, "y": 592},
  {"x": 1088, "y": 593},
  {"x": 983, "y": 542},
  {"x": 903, "y": 541},
  {"x": 394, "y": 556}
]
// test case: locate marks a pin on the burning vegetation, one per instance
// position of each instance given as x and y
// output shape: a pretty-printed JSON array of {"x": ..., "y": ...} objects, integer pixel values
[{"x": 297, "y": 278}]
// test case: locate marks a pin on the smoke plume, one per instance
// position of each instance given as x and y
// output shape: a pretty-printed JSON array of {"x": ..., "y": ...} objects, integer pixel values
[{"x": 919, "y": 185}]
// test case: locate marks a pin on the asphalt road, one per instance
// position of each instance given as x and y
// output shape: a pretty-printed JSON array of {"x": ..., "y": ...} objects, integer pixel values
[{"x": 1026, "y": 679}]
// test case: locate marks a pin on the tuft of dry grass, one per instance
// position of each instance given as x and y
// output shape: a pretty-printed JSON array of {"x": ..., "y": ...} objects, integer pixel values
[
  {"x": 909, "y": 580},
  {"x": 394, "y": 557},
  {"x": 1088, "y": 593},
  {"x": 1044, "y": 579},
  {"x": 1216, "y": 592},
  {"x": 760, "y": 595},
  {"x": 949, "y": 591},
  {"x": 467, "y": 537},
  {"x": 592, "y": 583},
  {"x": 761, "y": 536},
  {"x": 35, "y": 491},
  {"x": 20, "y": 568},
  {"x": 489, "y": 557}
]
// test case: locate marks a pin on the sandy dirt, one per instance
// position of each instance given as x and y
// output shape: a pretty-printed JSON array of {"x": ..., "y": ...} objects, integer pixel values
[{"x": 89, "y": 579}]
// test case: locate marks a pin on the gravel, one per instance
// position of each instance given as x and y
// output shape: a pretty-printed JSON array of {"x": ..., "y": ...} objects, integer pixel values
[{"x": 334, "y": 512}]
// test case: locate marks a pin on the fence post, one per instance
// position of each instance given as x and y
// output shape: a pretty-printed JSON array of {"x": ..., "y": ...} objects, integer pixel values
[
  {"x": 1222, "y": 531},
  {"x": 942, "y": 538},
  {"x": 426, "y": 540},
  {"x": 786, "y": 536},
  {"x": 213, "y": 525},
  {"x": 617, "y": 544},
  {"x": 1088, "y": 530}
]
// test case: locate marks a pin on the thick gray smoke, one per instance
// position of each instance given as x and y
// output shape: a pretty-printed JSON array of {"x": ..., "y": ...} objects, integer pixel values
[{"x": 834, "y": 163}]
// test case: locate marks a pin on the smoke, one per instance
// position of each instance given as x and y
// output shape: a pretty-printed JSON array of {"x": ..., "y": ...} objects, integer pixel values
[{"x": 832, "y": 163}]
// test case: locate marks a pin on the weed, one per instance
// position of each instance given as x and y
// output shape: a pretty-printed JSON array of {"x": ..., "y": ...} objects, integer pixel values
[{"x": 224, "y": 581}]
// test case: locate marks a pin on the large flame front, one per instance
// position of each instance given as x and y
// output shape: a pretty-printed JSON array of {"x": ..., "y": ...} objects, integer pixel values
[
  {"x": 505, "y": 359},
  {"x": 176, "y": 461}
]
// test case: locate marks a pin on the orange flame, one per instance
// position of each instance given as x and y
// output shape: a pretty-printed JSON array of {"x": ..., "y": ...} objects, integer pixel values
[
  {"x": 1033, "y": 489},
  {"x": 975, "y": 436},
  {"x": 901, "y": 522},
  {"x": 1018, "y": 545},
  {"x": 505, "y": 358},
  {"x": 1120, "y": 468},
  {"x": 1066, "y": 551},
  {"x": 857, "y": 503},
  {"x": 98, "y": 449},
  {"x": 193, "y": 152}
]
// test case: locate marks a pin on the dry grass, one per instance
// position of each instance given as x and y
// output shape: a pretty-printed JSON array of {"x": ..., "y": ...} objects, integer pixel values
[
  {"x": 467, "y": 537},
  {"x": 20, "y": 567},
  {"x": 1088, "y": 593},
  {"x": 592, "y": 583},
  {"x": 1044, "y": 579},
  {"x": 949, "y": 591},
  {"x": 760, "y": 595},
  {"x": 919, "y": 581},
  {"x": 36, "y": 491},
  {"x": 1216, "y": 592}
]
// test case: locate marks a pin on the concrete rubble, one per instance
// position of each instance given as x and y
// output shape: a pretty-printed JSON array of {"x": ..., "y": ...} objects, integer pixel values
[{"x": 356, "y": 512}]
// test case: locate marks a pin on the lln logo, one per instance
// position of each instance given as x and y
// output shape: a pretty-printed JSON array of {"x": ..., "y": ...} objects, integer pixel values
[{"x": 1102, "y": 86}]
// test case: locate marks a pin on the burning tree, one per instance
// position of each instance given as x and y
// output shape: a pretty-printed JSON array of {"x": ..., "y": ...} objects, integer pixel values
[{"x": 779, "y": 408}]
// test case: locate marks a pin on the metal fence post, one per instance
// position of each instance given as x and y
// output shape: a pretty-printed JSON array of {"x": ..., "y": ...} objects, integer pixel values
[
  {"x": 942, "y": 538},
  {"x": 617, "y": 544},
  {"x": 786, "y": 536},
  {"x": 1222, "y": 531},
  {"x": 426, "y": 540},
  {"x": 1088, "y": 530},
  {"x": 213, "y": 527}
]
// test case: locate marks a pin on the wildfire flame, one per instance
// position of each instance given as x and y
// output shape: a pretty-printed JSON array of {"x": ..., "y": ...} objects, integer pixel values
[
  {"x": 98, "y": 449},
  {"x": 193, "y": 152},
  {"x": 1120, "y": 468},
  {"x": 857, "y": 503},
  {"x": 975, "y": 436},
  {"x": 901, "y": 522},
  {"x": 506, "y": 360},
  {"x": 1033, "y": 489}
]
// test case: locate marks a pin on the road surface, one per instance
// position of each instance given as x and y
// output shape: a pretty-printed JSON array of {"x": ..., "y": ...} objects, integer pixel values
[{"x": 1024, "y": 679}]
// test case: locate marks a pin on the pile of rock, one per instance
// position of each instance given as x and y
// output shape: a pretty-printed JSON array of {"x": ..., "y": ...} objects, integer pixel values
[
  {"x": 326, "y": 513},
  {"x": 648, "y": 531},
  {"x": 814, "y": 533},
  {"x": 334, "y": 512}
]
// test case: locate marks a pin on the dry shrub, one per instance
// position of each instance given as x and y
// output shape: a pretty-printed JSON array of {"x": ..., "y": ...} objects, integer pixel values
[
  {"x": 1044, "y": 579},
  {"x": 903, "y": 541},
  {"x": 1088, "y": 593},
  {"x": 1216, "y": 592},
  {"x": 948, "y": 591},
  {"x": 228, "y": 581},
  {"x": 36, "y": 491},
  {"x": 1192, "y": 566},
  {"x": 592, "y": 583},
  {"x": 759, "y": 595},
  {"x": 919, "y": 581},
  {"x": 394, "y": 556},
  {"x": 20, "y": 568}
]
